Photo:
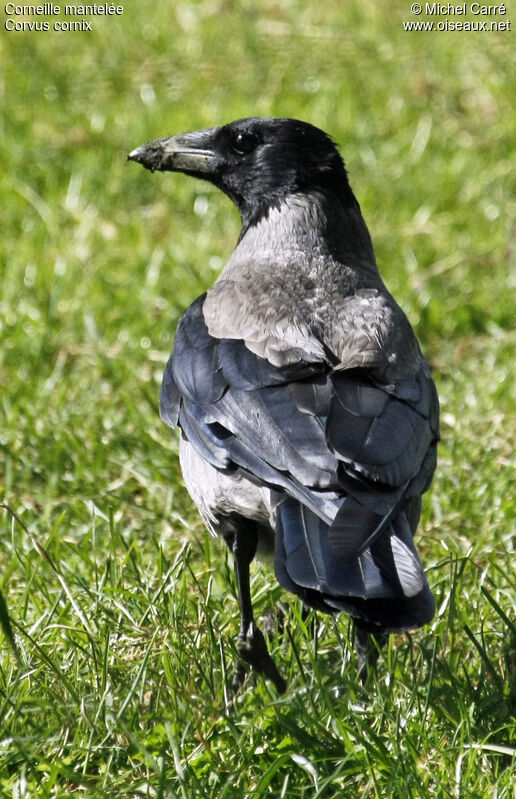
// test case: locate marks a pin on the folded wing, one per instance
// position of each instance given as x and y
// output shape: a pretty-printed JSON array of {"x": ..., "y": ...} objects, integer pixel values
[{"x": 350, "y": 455}]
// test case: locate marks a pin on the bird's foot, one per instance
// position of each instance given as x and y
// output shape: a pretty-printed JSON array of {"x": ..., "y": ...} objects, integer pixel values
[
  {"x": 252, "y": 649},
  {"x": 368, "y": 648}
]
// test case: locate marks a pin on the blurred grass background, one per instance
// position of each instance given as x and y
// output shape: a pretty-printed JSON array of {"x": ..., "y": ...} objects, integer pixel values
[{"x": 126, "y": 628}]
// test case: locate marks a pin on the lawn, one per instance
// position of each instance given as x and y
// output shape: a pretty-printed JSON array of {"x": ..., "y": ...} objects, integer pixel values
[{"x": 122, "y": 607}]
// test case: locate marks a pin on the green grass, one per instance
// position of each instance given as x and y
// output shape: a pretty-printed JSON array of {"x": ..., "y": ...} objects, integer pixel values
[{"x": 123, "y": 609}]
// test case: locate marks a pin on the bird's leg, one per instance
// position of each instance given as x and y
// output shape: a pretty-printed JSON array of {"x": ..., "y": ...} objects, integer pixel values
[
  {"x": 367, "y": 650},
  {"x": 252, "y": 648}
]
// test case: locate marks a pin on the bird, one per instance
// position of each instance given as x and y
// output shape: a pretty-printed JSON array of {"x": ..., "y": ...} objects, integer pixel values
[{"x": 308, "y": 416}]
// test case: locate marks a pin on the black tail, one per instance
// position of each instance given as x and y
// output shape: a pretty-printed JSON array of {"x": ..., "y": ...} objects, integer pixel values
[{"x": 384, "y": 585}]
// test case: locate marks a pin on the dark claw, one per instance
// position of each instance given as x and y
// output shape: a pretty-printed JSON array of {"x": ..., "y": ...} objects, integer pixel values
[{"x": 252, "y": 648}]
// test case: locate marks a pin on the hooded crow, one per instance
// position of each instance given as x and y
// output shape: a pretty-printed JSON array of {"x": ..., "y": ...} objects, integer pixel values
[{"x": 309, "y": 419}]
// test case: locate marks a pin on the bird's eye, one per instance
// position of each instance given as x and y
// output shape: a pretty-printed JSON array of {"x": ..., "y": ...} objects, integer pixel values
[{"x": 243, "y": 143}]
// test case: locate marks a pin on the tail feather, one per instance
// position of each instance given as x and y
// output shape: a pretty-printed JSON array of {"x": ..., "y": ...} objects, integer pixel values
[{"x": 385, "y": 585}]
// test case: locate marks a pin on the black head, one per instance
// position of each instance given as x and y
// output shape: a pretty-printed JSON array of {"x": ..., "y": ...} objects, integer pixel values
[{"x": 255, "y": 161}]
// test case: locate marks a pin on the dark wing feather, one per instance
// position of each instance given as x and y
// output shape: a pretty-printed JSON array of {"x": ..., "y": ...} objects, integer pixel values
[
  {"x": 170, "y": 397},
  {"x": 385, "y": 437},
  {"x": 195, "y": 368},
  {"x": 243, "y": 369},
  {"x": 208, "y": 439}
]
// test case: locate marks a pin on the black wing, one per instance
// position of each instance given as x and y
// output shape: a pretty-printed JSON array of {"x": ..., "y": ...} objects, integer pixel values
[{"x": 350, "y": 455}]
